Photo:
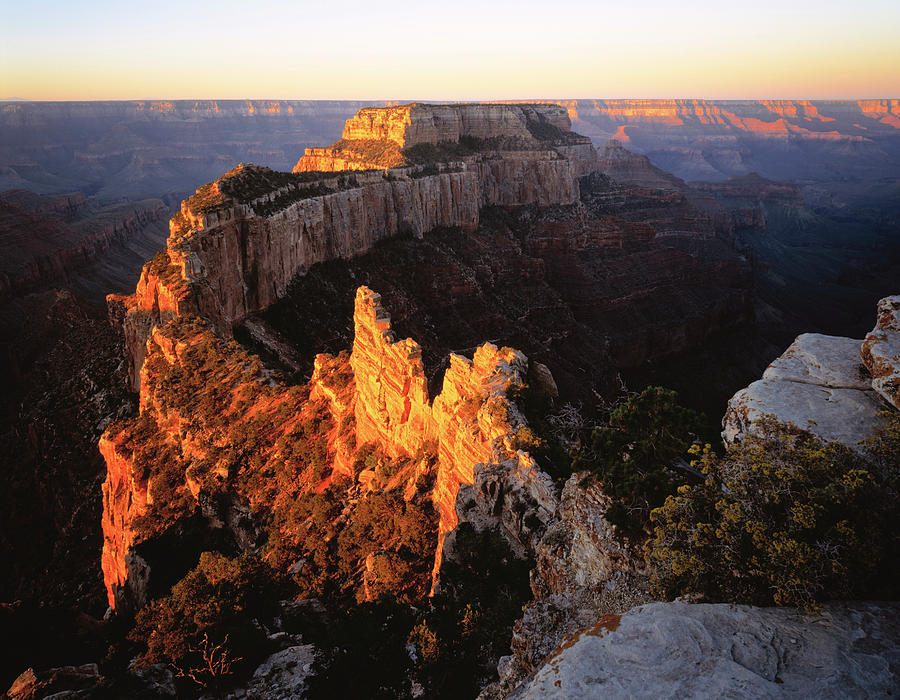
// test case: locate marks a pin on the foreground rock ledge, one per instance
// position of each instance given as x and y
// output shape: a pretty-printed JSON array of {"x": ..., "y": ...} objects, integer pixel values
[
  {"x": 819, "y": 384},
  {"x": 679, "y": 650}
]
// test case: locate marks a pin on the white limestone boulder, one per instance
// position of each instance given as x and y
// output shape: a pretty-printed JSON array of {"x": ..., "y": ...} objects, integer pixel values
[
  {"x": 819, "y": 384},
  {"x": 283, "y": 675},
  {"x": 680, "y": 650}
]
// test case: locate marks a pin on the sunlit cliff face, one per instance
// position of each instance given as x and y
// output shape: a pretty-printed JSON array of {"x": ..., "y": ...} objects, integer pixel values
[{"x": 786, "y": 115}]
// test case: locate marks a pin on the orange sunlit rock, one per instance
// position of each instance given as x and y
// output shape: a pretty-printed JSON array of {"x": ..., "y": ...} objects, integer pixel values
[
  {"x": 470, "y": 422},
  {"x": 236, "y": 244},
  {"x": 125, "y": 497},
  {"x": 885, "y": 111}
]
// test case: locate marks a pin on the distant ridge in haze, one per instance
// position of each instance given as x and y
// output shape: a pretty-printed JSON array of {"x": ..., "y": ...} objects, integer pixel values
[{"x": 151, "y": 148}]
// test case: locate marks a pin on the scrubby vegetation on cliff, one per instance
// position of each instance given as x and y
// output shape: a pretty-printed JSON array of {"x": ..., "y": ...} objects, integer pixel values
[
  {"x": 446, "y": 647},
  {"x": 247, "y": 183},
  {"x": 783, "y": 518},
  {"x": 205, "y": 627},
  {"x": 638, "y": 455},
  {"x": 382, "y": 153}
]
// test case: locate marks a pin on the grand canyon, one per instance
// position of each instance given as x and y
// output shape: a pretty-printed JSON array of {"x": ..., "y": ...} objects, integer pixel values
[{"x": 502, "y": 399}]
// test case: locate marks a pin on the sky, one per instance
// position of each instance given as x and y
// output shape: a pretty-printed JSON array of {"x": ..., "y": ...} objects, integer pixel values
[{"x": 449, "y": 50}]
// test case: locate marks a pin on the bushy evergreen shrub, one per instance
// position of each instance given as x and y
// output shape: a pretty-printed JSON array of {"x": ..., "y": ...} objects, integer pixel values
[
  {"x": 204, "y": 629},
  {"x": 783, "y": 518},
  {"x": 636, "y": 454}
]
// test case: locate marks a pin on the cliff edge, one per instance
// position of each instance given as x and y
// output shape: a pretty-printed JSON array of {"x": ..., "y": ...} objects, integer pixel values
[
  {"x": 236, "y": 244},
  {"x": 833, "y": 387}
]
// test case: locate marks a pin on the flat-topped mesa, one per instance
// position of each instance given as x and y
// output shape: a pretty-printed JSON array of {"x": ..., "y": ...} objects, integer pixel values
[
  {"x": 390, "y": 137},
  {"x": 412, "y": 124},
  {"x": 236, "y": 244}
]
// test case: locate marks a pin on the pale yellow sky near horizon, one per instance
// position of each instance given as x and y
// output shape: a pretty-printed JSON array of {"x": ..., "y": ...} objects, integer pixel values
[{"x": 467, "y": 51}]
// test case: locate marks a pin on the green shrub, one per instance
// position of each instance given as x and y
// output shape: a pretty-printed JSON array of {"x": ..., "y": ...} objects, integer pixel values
[
  {"x": 783, "y": 518},
  {"x": 634, "y": 455}
]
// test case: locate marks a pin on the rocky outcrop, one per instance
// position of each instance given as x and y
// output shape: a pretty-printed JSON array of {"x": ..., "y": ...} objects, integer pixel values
[
  {"x": 582, "y": 552},
  {"x": 881, "y": 350},
  {"x": 831, "y": 386},
  {"x": 584, "y": 568},
  {"x": 226, "y": 263},
  {"x": 819, "y": 384},
  {"x": 379, "y": 396},
  {"x": 327, "y": 160},
  {"x": 392, "y": 405},
  {"x": 413, "y": 124},
  {"x": 753, "y": 188},
  {"x": 126, "y": 497},
  {"x": 683, "y": 650},
  {"x": 236, "y": 245},
  {"x": 630, "y": 168},
  {"x": 61, "y": 682},
  {"x": 471, "y": 424},
  {"x": 284, "y": 675}
]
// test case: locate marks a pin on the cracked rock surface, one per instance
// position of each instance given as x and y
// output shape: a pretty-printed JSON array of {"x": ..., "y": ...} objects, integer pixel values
[
  {"x": 680, "y": 650},
  {"x": 819, "y": 384}
]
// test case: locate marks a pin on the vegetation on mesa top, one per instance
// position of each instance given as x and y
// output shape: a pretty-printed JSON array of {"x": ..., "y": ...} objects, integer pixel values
[
  {"x": 247, "y": 182},
  {"x": 378, "y": 153}
]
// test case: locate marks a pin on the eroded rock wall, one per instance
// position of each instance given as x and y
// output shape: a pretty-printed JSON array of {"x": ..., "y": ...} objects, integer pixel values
[
  {"x": 184, "y": 441},
  {"x": 471, "y": 424},
  {"x": 226, "y": 264},
  {"x": 409, "y": 125}
]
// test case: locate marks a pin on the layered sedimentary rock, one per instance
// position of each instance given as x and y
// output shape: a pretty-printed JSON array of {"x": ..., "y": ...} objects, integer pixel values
[
  {"x": 228, "y": 262},
  {"x": 683, "y": 650},
  {"x": 45, "y": 240},
  {"x": 822, "y": 385},
  {"x": 409, "y": 125},
  {"x": 470, "y": 424},
  {"x": 630, "y": 168},
  {"x": 184, "y": 442},
  {"x": 235, "y": 245},
  {"x": 126, "y": 496},
  {"x": 881, "y": 350}
]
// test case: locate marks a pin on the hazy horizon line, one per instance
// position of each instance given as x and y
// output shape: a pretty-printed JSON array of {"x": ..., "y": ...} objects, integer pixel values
[{"x": 401, "y": 101}]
